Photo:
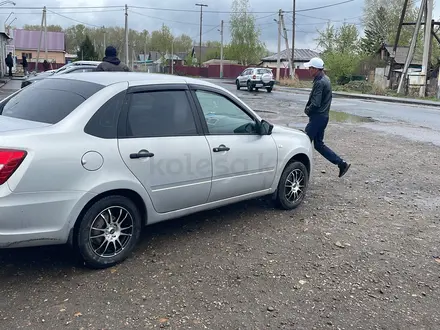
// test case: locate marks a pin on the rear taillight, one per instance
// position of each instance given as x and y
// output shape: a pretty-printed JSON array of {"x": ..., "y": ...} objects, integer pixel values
[{"x": 10, "y": 160}]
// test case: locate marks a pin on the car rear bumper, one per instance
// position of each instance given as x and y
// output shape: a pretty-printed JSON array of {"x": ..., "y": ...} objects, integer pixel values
[
  {"x": 34, "y": 219},
  {"x": 259, "y": 83}
]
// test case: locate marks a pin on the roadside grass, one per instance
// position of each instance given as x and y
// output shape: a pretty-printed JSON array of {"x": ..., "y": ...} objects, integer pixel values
[{"x": 295, "y": 83}]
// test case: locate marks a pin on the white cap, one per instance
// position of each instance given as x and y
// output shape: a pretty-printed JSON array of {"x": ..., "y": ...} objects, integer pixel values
[{"x": 315, "y": 62}]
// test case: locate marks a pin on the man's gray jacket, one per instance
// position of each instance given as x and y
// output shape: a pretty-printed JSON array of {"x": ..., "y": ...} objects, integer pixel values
[{"x": 320, "y": 98}]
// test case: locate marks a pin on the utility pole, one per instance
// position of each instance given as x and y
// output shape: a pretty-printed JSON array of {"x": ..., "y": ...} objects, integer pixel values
[
  {"x": 201, "y": 20},
  {"x": 287, "y": 46},
  {"x": 412, "y": 46},
  {"x": 221, "y": 49},
  {"x": 293, "y": 40},
  {"x": 45, "y": 34},
  {"x": 43, "y": 17},
  {"x": 145, "y": 51},
  {"x": 396, "y": 42},
  {"x": 279, "y": 46},
  {"x": 426, "y": 46},
  {"x": 172, "y": 57},
  {"x": 105, "y": 32},
  {"x": 126, "y": 35}
]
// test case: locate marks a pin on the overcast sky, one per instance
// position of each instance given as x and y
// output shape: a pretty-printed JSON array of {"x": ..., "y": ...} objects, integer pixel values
[{"x": 183, "y": 16}]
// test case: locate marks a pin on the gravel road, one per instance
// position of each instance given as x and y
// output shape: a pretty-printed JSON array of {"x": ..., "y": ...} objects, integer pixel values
[{"x": 359, "y": 254}]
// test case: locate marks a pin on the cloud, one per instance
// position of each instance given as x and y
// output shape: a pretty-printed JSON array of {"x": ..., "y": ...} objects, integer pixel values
[{"x": 188, "y": 22}]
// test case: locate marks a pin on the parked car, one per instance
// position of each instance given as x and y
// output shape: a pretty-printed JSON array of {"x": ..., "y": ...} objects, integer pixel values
[
  {"x": 255, "y": 78},
  {"x": 89, "y": 159},
  {"x": 67, "y": 70},
  {"x": 68, "y": 65}
]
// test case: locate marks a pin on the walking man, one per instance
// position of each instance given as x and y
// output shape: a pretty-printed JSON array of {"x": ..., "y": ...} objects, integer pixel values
[
  {"x": 111, "y": 62},
  {"x": 317, "y": 109},
  {"x": 9, "y": 63},
  {"x": 25, "y": 65}
]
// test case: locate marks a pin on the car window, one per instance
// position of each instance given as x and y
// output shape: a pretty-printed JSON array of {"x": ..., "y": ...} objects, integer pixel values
[
  {"x": 223, "y": 116},
  {"x": 263, "y": 71},
  {"x": 49, "y": 101},
  {"x": 104, "y": 123},
  {"x": 160, "y": 113}
]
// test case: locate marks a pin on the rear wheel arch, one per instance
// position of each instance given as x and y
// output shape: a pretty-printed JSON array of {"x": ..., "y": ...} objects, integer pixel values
[{"x": 130, "y": 194}]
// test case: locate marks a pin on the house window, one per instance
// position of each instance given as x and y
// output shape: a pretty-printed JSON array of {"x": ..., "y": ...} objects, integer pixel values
[{"x": 28, "y": 55}]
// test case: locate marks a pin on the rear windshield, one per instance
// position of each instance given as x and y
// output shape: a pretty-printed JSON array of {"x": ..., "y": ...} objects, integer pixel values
[
  {"x": 263, "y": 71},
  {"x": 48, "y": 100}
]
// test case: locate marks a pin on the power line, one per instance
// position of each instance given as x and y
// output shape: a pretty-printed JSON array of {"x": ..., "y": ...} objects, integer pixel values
[
  {"x": 169, "y": 20},
  {"x": 66, "y": 12},
  {"x": 326, "y": 6},
  {"x": 171, "y": 9},
  {"x": 327, "y": 20},
  {"x": 206, "y": 32},
  {"x": 61, "y": 7},
  {"x": 80, "y": 22},
  {"x": 196, "y": 11}
]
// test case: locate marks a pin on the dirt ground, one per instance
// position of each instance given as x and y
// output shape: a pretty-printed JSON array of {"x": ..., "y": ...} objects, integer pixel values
[{"x": 360, "y": 253}]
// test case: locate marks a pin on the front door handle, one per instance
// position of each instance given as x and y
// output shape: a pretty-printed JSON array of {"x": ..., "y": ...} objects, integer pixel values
[
  {"x": 141, "y": 154},
  {"x": 220, "y": 148}
]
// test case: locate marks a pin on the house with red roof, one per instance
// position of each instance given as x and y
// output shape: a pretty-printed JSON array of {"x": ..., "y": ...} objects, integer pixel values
[{"x": 26, "y": 43}]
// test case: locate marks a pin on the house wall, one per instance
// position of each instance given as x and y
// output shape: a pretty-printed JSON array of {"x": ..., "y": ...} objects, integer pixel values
[
  {"x": 3, "y": 43},
  {"x": 54, "y": 57}
]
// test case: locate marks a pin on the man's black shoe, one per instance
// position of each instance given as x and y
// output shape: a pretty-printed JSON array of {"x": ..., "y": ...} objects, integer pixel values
[{"x": 343, "y": 168}]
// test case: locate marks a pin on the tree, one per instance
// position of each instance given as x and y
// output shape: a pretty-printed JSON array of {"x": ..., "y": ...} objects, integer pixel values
[
  {"x": 326, "y": 39},
  {"x": 50, "y": 28},
  {"x": 87, "y": 51},
  {"x": 375, "y": 32},
  {"x": 245, "y": 45},
  {"x": 161, "y": 40},
  {"x": 183, "y": 43},
  {"x": 390, "y": 18},
  {"x": 341, "y": 52},
  {"x": 344, "y": 39},
  {"x": 347, "y": 39}
]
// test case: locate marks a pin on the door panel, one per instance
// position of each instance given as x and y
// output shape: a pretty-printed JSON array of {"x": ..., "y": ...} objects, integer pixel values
[
  {"x": 177, "y": 176},
  {"x": 248, "y": 166},
  {"x": 248, "y": 162},
  {"x": 165, "y": 151}
]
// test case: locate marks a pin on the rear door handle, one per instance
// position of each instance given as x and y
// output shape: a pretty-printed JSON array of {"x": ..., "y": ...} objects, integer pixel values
[
  {"x": 220, "y": 148},
  {"x": 142, "y": 154}
]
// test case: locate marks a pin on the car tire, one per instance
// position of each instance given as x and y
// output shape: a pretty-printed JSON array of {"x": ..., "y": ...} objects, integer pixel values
[
  {"x": 237, "y": 83},
  {"x": 269, "y": 89},
  {"x": 249, "y": 86},
  {"x": 295, "y": 177},
  {"x": 256, "y": 89},
  {"x": 118, "y": 224}
]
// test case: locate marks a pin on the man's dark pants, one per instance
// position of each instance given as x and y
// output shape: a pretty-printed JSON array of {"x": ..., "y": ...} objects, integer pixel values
[
  {"x": 10, "y": 71},
  {"x": 315, "y": 130}
]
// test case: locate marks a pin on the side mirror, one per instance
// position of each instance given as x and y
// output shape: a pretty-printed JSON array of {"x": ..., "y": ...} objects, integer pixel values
[{"x": 265, "y": 128}]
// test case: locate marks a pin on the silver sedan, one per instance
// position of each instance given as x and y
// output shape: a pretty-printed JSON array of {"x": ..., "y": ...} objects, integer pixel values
[{"x": 90, "y": 159}]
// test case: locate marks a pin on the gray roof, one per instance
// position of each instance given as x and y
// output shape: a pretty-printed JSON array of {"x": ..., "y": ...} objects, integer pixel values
[
  {"x": 301, "y": 55},
  {"x": 402, "y": 53}
]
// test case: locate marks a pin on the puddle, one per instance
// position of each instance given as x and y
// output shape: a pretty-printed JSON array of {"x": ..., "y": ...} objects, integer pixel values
[
  {"x": 343, "y": 117},
  {"x": 412, "y": 133}
]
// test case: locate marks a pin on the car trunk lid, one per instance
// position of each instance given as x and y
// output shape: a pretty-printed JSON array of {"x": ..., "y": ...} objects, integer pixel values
[{"x": 8, "y": 124}]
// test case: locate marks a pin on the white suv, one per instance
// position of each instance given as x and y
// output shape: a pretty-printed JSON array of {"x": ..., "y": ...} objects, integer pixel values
[{"x": 255, "y": 78}]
